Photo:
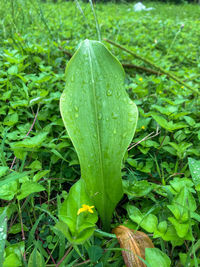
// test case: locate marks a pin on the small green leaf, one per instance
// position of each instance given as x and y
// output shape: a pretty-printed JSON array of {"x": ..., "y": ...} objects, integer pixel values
[
  {"x": 77, "y": 228},
  {"x": 162, "y": 227},
  {"x": 181, "y": 228},
  {"x": 20, "y": 103},
  {"x": 40, "y": 175},
  {"x": 168, "y": 110},
  {"x": 190, "y": 121},
  {"x": 169, "y": 235},
  {"x": 17, "y": 228},
  {"x": 17, "y": 248},
  {"x": 31, "y": 142},
  {"x": 182, "y": 204},
  {"x": 147, "y": 221},
  {"x": 35, "y": 165},
  {"x": 3, "y": 170},
  {"x": 178, "y": 183},
  {"x": 136, "y": 189},
  {"x": 8, "y": 191},
  {"x": 11, "y": 119},
  {"x": 36, "y": 259},
  {"x": 95, "y": 253},
  {"x": 169, "y": 126},
  {"x": 28, "y": 188},
  {"x": 13, "y": 70},
  {"x": 12, "y": 260},
  {"x": 156, "y": 257}
]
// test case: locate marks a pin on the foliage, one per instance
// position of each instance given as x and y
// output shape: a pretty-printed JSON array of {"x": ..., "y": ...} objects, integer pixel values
[
  {"x": 101, "y": 121},
  {"x": 160, "y": 174}
]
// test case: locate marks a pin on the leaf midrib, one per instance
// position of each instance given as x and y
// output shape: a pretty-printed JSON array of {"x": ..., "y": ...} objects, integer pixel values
[{"x": 97, "y": 124}]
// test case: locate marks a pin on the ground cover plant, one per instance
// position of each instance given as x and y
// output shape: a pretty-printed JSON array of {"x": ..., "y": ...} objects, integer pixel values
[{"x": 39, "y": 166}]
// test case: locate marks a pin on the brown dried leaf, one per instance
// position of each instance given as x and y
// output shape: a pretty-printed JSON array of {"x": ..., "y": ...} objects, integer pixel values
[{"x": 134, "y": 243}]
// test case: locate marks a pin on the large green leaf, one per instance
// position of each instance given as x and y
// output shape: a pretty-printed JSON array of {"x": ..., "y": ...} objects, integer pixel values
[
  {"x": 3, "y": 234},
  {"x": 101, "y": 120},
  {"x": 194, "y": 166}
]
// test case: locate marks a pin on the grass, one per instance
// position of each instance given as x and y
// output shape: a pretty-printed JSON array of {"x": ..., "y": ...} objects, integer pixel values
[{"x": 37, "y": 40}]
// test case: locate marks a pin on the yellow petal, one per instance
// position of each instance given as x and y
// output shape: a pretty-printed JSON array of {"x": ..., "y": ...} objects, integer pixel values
[
  {"x": 91, "y": 211},
  {"x": 80, "y": 210},
  {"x": 85, "y": 208}
]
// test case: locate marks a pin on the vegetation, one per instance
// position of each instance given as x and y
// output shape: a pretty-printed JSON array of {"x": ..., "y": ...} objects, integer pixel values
[{"x": 39, "y": 166}]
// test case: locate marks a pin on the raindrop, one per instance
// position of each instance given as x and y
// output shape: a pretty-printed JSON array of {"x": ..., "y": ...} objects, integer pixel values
[
  {"x": 109, "y": 93},
  {"x": 118, "y": 94},
  {"x": 124, "y": 134},
  {"x": 100, "y": 116},
  {"x": 114, "y": 115}
]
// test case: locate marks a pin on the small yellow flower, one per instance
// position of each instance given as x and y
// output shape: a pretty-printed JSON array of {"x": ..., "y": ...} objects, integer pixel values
[
  {"x": 143, "y": 127},
  {"x": 140, "y": 79},
  {"x": 160, "y": 92},
  {"x": 182, "y": 87},
  {"x": 85, "y": 208}
]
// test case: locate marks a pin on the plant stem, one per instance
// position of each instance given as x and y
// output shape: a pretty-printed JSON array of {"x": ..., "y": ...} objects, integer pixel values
[
  {"x": 81, "y": 263},
  {"x": 96, "y": 21},
  {"x": 67, "y": 252},
  {"x": 105, "y": 234},
  {"x": 12, "y": 165},
  {"x": 161, "y": 70},
  {"x": 133, "y": 66},
  {"x": 22, "y": 227}
]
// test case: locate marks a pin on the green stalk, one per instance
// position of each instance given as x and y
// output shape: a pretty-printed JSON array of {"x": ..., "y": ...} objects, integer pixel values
[{"x": 169, "y": 74}]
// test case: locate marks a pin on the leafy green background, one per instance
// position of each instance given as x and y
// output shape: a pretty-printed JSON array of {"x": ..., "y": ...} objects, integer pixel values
[{"x": 161, "y": 185}]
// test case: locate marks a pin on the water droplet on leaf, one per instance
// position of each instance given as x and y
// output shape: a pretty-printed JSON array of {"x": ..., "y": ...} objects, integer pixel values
[
  {"x": 109, "y": 93},
  {"x": 114, "y": 115},
  {"x": 100, "y": 116}
]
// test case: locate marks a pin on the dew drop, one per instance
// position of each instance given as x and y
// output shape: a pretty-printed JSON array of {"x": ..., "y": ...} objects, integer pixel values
[
  {"x": 109, "y": 93},
  {"x": 100, "y": 116},
  {"x": 118, "y": 94},
  {"x": 114, "y": 115},
  {"x": 124, "y": 134}
]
